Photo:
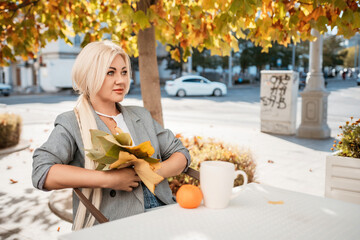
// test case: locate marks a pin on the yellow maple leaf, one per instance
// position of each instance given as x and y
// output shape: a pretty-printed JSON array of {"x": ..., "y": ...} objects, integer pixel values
[
  {"x": 147, "y": 175},
  {"x": 124, "y": 157},
  {"x": 142, "y": 150}
]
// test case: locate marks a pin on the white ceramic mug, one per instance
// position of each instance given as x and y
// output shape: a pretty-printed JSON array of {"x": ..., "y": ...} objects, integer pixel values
[{"x": 217, "y": 181}]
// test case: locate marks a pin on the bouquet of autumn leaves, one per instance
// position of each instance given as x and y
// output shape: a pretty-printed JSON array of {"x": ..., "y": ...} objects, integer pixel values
[{"x": 116, "y": 151}]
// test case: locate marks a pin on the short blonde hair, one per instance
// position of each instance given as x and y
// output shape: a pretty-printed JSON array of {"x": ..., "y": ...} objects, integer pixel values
[{"x": 91, "y": 65}]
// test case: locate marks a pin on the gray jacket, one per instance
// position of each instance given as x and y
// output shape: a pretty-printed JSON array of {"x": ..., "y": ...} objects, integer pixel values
[{"x": 65, "y": 146}]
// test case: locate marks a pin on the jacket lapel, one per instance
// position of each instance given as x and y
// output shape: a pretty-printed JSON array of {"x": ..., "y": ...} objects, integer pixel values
[{"x": 133, "y": 122}]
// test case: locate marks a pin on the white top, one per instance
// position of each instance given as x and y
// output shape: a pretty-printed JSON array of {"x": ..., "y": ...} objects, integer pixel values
[
  {"x": 249, "y": 216},
  {"x": 119, "y": 119}
]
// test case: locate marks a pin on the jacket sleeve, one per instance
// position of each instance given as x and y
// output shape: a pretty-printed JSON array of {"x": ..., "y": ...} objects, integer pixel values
[
  {"x": 58, "y": 149},
  {"x": 169, "y": 144}
]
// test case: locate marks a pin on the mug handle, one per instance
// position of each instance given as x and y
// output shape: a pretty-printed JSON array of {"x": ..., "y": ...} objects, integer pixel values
[{"x": 237, "y": 190}]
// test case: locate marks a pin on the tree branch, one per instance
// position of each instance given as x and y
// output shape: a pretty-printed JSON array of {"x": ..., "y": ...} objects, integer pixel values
[
  {"x": 13, "y": 7},
  {"x": 26, "y": 14}
]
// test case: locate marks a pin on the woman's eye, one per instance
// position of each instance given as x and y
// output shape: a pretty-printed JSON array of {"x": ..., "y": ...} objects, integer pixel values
[
  {"x": 124, "y": 73},
  {"x": 110, "y": 73}
]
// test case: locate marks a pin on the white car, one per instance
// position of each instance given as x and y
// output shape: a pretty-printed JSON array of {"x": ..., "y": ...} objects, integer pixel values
[
  {"x": 5, "y": 89},
  {"x": 191, "y": 85}
]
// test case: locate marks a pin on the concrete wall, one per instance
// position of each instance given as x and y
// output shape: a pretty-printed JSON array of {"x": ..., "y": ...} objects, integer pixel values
[{"x": 56, "y": 74}]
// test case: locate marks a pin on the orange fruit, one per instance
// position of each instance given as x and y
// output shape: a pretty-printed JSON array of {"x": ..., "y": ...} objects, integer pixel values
[{"x": 189, "y": 196}]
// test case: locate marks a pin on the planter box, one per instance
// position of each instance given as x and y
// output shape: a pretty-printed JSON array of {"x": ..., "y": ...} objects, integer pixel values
[{"x": 342, "y": 180}]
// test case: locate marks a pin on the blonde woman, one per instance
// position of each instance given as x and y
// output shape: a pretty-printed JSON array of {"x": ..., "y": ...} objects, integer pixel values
[{"x": 101, "y": 74}]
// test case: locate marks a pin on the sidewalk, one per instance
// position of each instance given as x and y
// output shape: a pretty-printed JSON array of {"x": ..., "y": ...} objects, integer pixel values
[{"x": 282, "y": 161}]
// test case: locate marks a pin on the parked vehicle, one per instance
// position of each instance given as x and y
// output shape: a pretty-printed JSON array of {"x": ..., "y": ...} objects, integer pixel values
[
  {"x": 302, "y": 82},
  {"x": 5, "y": 89},
  {"x": 192, "y": 85},
  {"x": 132, "y": 85},
  {"x": 358, "y": 79}
]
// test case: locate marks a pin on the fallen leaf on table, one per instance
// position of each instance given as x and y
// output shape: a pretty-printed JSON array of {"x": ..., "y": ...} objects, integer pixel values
[
  {"x": 30, "y": 140},
  {"x": 310, "y": 170},
  {"x": 9, "y": 167},
  {"x": 58, "y": 229},
  {"x": 276, "y": 202},
  {"x": 270, "y": 161},
  {"x": 13, "y": 181},
  {"x": 31, "y": 149},
  {"x": 46, "y": 130}
]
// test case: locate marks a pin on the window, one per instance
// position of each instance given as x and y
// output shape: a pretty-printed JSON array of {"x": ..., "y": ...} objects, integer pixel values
[
  {"x": 205, "y": 81},
  {"x": 191, "y": 81},
  {"x": 77, "y": 41}
]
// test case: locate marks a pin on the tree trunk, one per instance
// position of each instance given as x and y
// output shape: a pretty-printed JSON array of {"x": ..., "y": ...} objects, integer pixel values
[{"x": 148, "y": 67}]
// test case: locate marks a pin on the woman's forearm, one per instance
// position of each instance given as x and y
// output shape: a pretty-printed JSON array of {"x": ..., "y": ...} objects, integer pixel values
[
  {"x": 66, "y": 176},
  {"x": 173, "y": 166}
]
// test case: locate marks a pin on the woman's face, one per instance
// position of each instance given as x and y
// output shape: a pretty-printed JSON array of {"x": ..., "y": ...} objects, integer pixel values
[{"x": 115, "y": 83}]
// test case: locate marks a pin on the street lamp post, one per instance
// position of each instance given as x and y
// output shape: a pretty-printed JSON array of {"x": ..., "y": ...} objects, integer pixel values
[
  {"x": 37, "y": 74},
  {"x": 189, "y": 65},
  {"x": 293, "y": 57},
  {"x": 314, "y": 97},
  {"x": 230, "y": 70}
]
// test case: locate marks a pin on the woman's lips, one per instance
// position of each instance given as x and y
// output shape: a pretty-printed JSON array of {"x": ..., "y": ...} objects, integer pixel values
[{"x": 118, "y": 90}]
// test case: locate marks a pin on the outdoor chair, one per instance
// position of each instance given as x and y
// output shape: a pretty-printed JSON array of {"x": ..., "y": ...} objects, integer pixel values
[
  {"x": 98, "y": 215},
  {"x": 342, "y": 180}
]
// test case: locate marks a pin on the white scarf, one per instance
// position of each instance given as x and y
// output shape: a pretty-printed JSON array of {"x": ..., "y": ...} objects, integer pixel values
[{"x": 86, "y": 122}]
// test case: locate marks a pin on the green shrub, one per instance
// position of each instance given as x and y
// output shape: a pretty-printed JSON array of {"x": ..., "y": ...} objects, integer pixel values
[
  {"x": 349, "y": 143},
  {"x": 210, "y": 150},
  {"x": 10, "y": 129}
]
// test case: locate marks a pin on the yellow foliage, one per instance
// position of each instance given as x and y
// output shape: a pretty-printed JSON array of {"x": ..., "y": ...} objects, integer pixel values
[{"x": 189, "y": 23}]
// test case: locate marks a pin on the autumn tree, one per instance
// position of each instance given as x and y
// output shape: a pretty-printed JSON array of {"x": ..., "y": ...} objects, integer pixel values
[
  {"x": 332, "y": 54},
  {"x": 27, "y": 25},
  {"x": 350, "y": 53}
]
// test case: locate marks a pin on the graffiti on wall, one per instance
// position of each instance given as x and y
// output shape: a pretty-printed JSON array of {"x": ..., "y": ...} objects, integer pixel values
[{"x": 276, "y": 96}]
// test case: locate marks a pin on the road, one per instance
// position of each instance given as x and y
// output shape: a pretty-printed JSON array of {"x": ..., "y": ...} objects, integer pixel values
[{"x": 239, "y": 108}]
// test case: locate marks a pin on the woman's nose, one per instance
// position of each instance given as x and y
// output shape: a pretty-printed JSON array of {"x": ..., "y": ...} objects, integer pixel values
[{"x": 119, "y": 79}]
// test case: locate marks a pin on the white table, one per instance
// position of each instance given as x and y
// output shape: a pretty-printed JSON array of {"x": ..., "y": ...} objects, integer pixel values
[{"x": 249, "y": 216}]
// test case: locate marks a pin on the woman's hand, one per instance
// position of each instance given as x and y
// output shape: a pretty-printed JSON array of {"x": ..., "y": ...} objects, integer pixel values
[{"x": 124, "y": 179}]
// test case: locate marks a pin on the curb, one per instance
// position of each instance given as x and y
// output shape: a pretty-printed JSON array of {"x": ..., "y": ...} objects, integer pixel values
[
  {"x": 60, "y": 203},
  {"x": 23, "y": 144}
]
